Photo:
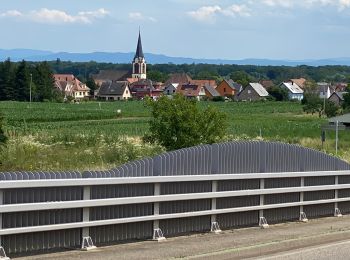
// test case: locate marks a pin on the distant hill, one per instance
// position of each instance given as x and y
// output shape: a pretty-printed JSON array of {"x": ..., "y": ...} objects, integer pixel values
[{"x": 119, "y": 57}]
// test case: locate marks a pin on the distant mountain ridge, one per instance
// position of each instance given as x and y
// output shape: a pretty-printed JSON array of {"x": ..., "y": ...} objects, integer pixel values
[{"x": 119, "y": 57}]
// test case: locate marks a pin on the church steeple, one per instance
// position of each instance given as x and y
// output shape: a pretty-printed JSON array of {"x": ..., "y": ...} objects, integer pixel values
[
  {"x": 139, "y": 62},
  {"x": 139, "y": 52}
]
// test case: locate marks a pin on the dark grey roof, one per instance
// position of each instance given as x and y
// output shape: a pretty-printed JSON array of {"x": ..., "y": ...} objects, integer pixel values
[
  {"x": 139, "y": 52},
  {"x": 142, "y": 84},
  {"x": 340, "y": 95},
  {"x": 234, "y": 85},
  {"x": 212, "y": 91},
  {"x": 112, "y": 75},
  {"x": 110, "y": 88},
  {"x": 341, "y": 119}
]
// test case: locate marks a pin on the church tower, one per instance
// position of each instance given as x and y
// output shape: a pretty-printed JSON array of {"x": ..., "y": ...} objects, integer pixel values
[{"x": 139, "y": 62}]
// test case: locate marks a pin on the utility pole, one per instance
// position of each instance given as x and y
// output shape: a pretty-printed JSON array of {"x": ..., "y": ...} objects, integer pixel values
[
  {"x": 30, "y": 88},
  {"x": 324, "y": 99}
]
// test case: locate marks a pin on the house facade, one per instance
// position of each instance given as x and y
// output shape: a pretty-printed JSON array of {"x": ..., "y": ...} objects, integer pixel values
[
  {"x": 294, "y": 91},
  {"x": 253, "y": 92},
  {"x": 324, "y": 90},
  {"x": 170, "y": 89},
  {"x": 70, "y": 86},
  {"x": 337, "y": 98},
  {"x": 111, "y": 91},
  {"x": 228, "y": 88}
]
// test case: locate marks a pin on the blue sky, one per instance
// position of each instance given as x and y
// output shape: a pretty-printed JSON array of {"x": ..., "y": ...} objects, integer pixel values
[{"x": 227, "y": 29}]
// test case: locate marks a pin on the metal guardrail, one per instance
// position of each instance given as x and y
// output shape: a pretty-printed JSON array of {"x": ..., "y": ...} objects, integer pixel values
[{"x": 87, "y": 203}]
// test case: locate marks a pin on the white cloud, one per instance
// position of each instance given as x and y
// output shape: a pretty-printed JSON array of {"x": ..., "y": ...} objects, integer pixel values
[
  {"x": 100, "y": 13},
  {"x": 11, "y": 13},
  {"x": 340, "y": 4},
  {"x": 45, "y": 15},
  {"x": 137, "y": 16},
  {"x": 209, "y": 13}
]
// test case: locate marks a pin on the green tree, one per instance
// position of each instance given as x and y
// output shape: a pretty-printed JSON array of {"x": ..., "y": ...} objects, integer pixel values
[
  {"x": 331, "y": 109},
  {"x": 22, "y": 81},
  {"x": 44, "y": 82},
  {"x": 279, "y": 94},
  {"x": 7, "y": 84},
  {"x": 157, "y": 76},
  {"x": 90, "y": 83},
  {"x": 178, "y": 122},
  {"x": 312, "y": 104},
  {"x": 240, "y": 77}
]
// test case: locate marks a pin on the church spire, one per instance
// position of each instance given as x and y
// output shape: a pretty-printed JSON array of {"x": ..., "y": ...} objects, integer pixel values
[
  {"x": 139, "y": 52},
  {"x": 139, "y": 66}
]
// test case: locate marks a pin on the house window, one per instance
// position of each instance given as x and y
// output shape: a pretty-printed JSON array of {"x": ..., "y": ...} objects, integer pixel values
[
  {"x": 225, "y": 90},
  {"x": 249, "y": 91},
  {"x": 126, "y": 91},
  {"x": 168, "y": 91},
  {"x": 80, "y": 93}
]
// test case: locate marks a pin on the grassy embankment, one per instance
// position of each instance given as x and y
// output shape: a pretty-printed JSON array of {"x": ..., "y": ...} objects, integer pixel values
[{"x": 48, "y": 136}]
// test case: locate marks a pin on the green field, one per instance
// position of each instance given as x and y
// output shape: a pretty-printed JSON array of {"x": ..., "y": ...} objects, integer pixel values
[{"x": 54, "y": 136}]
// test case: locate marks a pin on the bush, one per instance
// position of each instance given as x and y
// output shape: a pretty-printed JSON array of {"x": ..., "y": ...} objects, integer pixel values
[
  {"x": 218, "y": 99},
  {"x": 177, "y": 123}
]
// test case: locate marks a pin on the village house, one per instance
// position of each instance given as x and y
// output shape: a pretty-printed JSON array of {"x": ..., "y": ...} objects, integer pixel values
[
  {"x": 211, "y": 92},
  {"x": 337, "y": 98},
  {"x": 267, "y": 84},
  {"x": 145, "y": 87},
  {"x": 178, "y": 78},
  {"x": 300, "y": 82},
  {"x": 117, "y": 90},
  {"x": 110, "y": 75},
  {"x": 70, "y": 86},
  {"x": 229, "y": 88},
  {"x": 253, "y": 92},
  {"x": 294, "y": 91},
  {"x": 191, "y": 91},
  {"x": 324, "y": 90},
  {"x": 170, "y": 89}
]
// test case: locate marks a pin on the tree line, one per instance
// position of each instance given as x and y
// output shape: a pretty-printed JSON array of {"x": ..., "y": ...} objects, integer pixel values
[{"x": 21, "y": 81}]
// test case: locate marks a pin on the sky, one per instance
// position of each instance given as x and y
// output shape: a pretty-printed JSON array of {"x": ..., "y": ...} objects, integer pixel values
[{"x": 226, "y": 29}]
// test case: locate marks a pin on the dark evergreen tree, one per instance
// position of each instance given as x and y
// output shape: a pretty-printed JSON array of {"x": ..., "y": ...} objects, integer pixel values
[
  {"x": 44, "y": 82},
  {"x": 90, "y": 83},
  {"x": 22, "y": 82},
  {"x": 7, "y": 84}
]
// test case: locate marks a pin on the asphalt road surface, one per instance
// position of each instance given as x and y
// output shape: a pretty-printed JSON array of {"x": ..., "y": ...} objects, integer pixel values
[{"x": 326, "y": 238}]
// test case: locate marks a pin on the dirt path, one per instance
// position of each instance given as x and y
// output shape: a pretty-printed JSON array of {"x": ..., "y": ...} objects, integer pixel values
[{"x": 231, "y": 244}]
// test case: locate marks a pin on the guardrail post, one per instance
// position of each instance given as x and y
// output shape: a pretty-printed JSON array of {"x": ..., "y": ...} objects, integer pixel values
[
  {"x": 214, "y": 188},
  {"x": 157, "y": 232},
  {"x": 302, "y": 181},
  {"x": 262, "y": 186},
  {"x": 86, "y": 211},
  {"x": 336, "y": 182}
]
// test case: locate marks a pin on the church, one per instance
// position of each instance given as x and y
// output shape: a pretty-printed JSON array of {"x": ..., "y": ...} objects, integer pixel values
[{"x": 136, "y": 80}]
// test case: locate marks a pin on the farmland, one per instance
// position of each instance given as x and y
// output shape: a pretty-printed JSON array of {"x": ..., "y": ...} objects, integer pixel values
[{"x": 54, "y": 136}]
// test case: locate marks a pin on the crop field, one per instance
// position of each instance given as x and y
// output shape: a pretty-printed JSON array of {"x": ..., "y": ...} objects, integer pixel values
[{"x": 92, "y": 135}]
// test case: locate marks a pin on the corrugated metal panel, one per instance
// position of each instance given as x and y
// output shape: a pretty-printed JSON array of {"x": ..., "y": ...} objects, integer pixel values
[
  {"x": 113, "y": 233},
  {"x": 235, "y": 202},
  {"x": 344, "y": 207},
  {"x": 344, "y": 179},
  {"x": 238, "y": 185},
  {"x": 237, "y": 220},
  {"x": 318, "y": 195},
  {"x": 184, "y": 206},
  {"x": 41, "y": 241},
  {"x": 316, "y": 181},
  {"x": 121, "y": 211},
  {"x": 38, "y": 218},
  {"x": 17, "y": 196},
  {"x": 281, "y": 198},
  {"x": 120, "y": 191},
  {"x": 185, "y": 187},
  {"x": 344, "y": 193},
  {"x": 282, "y": 183},
  {"x": 283, "y": 214},
  {"x": 314, "y": 211},
  {"x": 172, "y": 227}
]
